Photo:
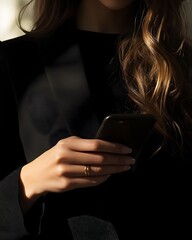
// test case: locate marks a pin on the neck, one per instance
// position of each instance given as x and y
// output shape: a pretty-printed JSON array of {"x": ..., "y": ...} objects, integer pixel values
[{"x": 94, "y": 16}]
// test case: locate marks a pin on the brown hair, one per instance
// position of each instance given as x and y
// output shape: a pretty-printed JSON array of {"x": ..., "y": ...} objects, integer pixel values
[
  {"x": 152, "y": 59},
  {"x": 49, "y": 14},
  {"x": 151, "y": 64}
]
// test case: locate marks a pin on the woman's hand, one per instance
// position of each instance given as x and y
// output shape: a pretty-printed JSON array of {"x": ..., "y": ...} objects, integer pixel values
[{"x": 72, "y": 163}]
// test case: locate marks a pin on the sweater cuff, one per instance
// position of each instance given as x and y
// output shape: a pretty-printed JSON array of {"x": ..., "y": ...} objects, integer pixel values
[{"x": 13, "y": 224}]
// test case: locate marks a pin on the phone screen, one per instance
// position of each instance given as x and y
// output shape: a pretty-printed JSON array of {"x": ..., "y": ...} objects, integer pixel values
[{"x": 131, "y": 130}]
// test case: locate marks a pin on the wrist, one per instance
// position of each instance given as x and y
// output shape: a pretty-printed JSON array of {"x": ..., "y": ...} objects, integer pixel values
[{"x": 29, "y": 191}]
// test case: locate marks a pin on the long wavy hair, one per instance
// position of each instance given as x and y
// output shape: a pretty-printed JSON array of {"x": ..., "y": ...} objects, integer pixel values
[{"x": 151, "y": 59}]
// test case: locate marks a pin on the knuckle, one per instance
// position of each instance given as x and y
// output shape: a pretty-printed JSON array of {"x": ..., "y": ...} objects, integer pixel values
[
  {"x": 96, "y": 144},
  {"x": 96, "y": 169},
  {"x": 60, "y": 170},
  {"x": 61, "y": 152},
  {"x": 63, "y": 184},
  {"x": 60, "y": 142},
  {"x": 58, "y": 155},
  {"x": 99, "y": 159},
  {"x": 59, "y": 146},
  {"x": 73, "y": 137}
]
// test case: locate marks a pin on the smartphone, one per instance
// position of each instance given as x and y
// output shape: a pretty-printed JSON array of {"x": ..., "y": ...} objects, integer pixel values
[{"x": 131, "y": 130}]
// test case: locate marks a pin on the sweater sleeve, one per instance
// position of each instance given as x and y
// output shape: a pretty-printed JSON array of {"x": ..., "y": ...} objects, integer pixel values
[{"x": 13, "y": 225}]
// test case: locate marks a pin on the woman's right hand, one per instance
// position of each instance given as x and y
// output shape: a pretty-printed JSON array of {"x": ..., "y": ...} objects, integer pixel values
[{"x": 72, "y": 163}]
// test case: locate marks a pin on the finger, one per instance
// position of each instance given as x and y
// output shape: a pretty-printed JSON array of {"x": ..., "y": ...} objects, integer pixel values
[
  {"x": 74, "y": 171},
  {"x": 106, "y": 170},
  {"x": 94, "y": 145},
  {"x": 87, "y": 182},
  {"x": 86, "y": 158}
]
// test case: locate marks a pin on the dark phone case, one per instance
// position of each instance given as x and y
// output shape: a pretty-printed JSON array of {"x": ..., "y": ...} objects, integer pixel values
[{"x": 131, "y": 130}]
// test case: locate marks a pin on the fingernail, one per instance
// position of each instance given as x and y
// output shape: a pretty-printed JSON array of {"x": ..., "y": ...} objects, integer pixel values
[
  {"x": 130, "y": 161},
  {"x": 127, "y": 168},
  {"x": 133, "y": 160},
  {"x": 126, "y": 149}
]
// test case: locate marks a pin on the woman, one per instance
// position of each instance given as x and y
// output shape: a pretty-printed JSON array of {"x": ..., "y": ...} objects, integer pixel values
[{"x": 82, "y": 61}]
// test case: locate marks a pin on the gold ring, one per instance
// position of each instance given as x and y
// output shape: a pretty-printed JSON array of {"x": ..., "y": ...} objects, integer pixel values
[{"x": 87, "y": 171}]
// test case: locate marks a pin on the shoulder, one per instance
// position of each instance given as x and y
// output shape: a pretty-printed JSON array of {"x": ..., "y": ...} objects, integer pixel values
[
  {"x": 31, "y": 46},
  {"x": 19, "y": 59},
  {"x": 23, "y": 39},
  {"x": 18, "y": 48}
]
